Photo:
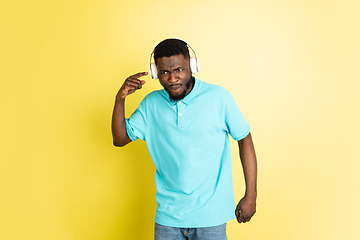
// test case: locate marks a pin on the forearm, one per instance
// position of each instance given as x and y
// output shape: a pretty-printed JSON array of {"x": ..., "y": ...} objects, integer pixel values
[
  {"x": 120, "y": 137},
  {"x": 249, "y": 164}
]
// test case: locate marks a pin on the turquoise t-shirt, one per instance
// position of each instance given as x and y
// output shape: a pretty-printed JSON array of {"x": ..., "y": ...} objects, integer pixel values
[{"x": 189, "y": 145}]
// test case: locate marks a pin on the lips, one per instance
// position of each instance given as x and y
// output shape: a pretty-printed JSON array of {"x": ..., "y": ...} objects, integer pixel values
[{"x": 175, "y": 87}]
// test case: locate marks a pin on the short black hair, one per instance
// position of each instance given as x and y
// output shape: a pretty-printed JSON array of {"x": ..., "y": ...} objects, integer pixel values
[{"x": 171, "y": 47}]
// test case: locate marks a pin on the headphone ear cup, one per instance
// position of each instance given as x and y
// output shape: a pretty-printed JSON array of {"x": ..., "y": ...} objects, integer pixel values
[
  {"x": 193, "y": 65},
  {"x": 153, "y": 71}
]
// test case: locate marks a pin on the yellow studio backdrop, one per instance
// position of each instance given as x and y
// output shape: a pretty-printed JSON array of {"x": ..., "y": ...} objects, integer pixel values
[{"x": 292, "y": 67}]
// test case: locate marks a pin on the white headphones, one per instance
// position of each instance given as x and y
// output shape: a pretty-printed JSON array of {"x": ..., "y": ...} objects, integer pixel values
[{"x": 194, "y": 62}]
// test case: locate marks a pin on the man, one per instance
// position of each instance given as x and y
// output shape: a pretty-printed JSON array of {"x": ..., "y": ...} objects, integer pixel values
[{"x": 186, "y": 127}]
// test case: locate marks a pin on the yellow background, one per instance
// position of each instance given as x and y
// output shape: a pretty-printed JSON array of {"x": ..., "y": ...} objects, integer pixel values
[{"x": 292, "y": 66}]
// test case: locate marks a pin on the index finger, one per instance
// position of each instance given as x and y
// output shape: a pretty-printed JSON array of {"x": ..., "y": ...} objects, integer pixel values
[{"x": 140, "y": 74}]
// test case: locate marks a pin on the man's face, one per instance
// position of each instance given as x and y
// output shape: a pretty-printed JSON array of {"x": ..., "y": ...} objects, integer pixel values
[{"x": 175, "y": 75}]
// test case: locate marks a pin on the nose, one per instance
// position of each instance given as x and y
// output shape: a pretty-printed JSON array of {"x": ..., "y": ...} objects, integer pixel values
[{"x": 173, "y": 77}]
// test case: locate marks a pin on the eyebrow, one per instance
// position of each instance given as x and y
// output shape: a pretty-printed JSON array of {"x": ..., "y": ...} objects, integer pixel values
[{"x": 165, "y": 70}]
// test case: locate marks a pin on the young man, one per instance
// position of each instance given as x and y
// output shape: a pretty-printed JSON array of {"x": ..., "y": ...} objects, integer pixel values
[{"x": 186, "y": 127}]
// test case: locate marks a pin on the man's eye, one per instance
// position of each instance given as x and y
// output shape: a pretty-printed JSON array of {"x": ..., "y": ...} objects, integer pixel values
[
  {"x": 179, "y": 69},
  {"x": 163, "y": 72}
]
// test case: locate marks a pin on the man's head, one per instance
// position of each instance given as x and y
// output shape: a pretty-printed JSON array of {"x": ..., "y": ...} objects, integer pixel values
[
  {"x": 172, "y": 61},
  {"x": 171, "y": 47}
]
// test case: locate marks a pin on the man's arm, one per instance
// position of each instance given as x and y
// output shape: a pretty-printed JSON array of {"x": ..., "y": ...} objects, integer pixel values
[
  {"x": 246, "y": 207},
  {"x": 118, "y": 128}
]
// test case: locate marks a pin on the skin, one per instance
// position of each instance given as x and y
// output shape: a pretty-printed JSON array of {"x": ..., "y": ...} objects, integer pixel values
[{"x": 175, "y": 76}]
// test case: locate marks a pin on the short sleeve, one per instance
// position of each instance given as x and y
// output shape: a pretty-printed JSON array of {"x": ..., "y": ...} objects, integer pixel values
[
  {"x": 136, "y": 123},
  {"x": 236, "y": 124}
]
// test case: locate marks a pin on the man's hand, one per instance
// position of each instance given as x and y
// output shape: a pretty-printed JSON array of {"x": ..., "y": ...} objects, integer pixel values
[
  {"x": 130, "y": 85},
  {"x": 245, "y": 209}
]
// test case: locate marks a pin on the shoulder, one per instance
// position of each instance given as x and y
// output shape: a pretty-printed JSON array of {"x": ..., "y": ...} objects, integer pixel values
[
  {"x": 214, "y": 90},
  {"x": 154, "y": 96}
]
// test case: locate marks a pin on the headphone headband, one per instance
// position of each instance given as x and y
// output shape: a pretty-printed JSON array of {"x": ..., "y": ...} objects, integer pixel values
[{"x": 194, "y": 62}]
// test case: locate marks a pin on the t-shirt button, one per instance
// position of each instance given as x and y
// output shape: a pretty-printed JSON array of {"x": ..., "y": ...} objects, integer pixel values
[{"x": 180, "y": 114}]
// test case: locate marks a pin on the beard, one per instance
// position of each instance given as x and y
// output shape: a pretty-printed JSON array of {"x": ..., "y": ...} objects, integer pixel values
[{"x": 180, "y": 96}]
